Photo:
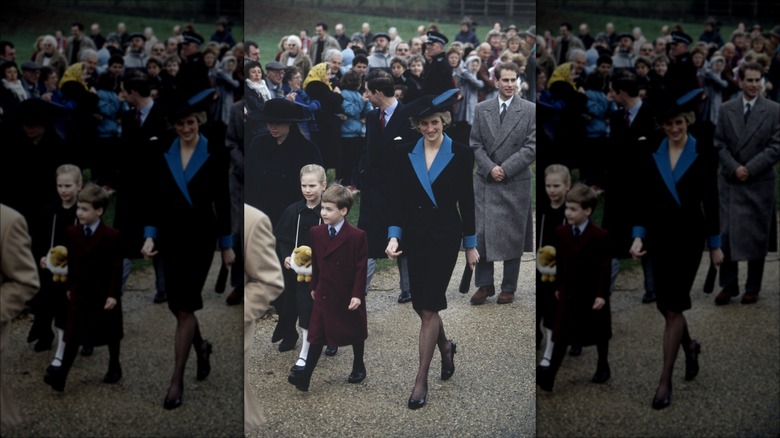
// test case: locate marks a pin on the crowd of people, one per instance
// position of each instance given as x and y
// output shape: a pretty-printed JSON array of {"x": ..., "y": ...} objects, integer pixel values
[
  {"x": 140, "y": 127},
  {"x": 680, "y": 138}
]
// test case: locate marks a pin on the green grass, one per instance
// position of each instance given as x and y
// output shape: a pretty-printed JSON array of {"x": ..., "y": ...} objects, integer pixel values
[{"x": 23, "y": 23}]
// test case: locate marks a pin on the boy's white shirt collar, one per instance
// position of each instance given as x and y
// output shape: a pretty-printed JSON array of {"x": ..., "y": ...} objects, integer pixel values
[
  {"x": 337, "y": 226},
  {"x": 93, "y": 227},
  {"x": 581, "y": 226}
]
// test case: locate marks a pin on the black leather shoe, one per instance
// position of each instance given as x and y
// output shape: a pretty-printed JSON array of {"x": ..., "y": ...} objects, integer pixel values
[
  {"x": 417, "y": 404},
  {"x": 648, "y": 297},
  {"x": 288, "y": 344},
  {"x": 55, "y": 379},
  {"x": 575, "y": 350},
  {"x": 298, "y": 368},
  {"x": 113, "y": 375},
  {"x": 300, "y": 381},
  {"x": 692, "y": 360},
  {"x": 204, "y": 365},
  {"x": 357, "y": 376},
  {"x": 601, "y": 375},
  {"x": 171, "y": 404},
  {"x": 544, "y": 378},
  {"x": 659, "y": 404},
  {"x": 446, "y": 373},
  {"x": 160, "y": 297},
  {"x": 52, "y": 369},
  {"x": 331, "y": 350},
  {"x": 405, "y": 297},
  {"x": 87, "y": 350}
]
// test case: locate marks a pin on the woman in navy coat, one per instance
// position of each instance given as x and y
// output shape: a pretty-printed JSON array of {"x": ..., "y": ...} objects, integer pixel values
[
  {"x": 433, "y": 212},
  {"x": 189, "y": 213},
  {"x": 678, "y": 213}
]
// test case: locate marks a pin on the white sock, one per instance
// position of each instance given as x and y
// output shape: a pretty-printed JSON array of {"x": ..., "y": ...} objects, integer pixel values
[
  {"x": 304, "y": 349},
  {"x": 548, "y": 348},
  {"x": 60, "y": 348}
]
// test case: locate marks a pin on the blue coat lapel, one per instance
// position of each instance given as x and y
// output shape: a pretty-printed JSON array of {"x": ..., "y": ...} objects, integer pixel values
[
  {"x": 184, "y": 176},
  {"x": 425, "y": 176},
  {"x": 687, "y": 157}
]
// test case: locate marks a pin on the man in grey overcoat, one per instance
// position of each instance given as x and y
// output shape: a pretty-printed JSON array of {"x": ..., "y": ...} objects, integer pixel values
[
  {"x": 503, "y": 138},
  {"x": 747, "y": 137}
]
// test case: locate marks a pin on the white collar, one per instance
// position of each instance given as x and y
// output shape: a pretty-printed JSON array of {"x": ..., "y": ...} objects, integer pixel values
[{"x": 508, "y": 102}]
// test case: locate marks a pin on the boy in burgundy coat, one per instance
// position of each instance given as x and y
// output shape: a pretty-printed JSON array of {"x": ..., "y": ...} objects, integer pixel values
[
  {"x": 338, "y": 284},
  {"x": 94, "y": 283}
]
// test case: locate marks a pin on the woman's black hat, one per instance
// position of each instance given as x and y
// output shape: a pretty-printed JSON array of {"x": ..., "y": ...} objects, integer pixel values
[
  {"x": 669, "y": 107},
  {"x": 183, "y": 106},
  {"x": 280, "y": 111},
  {"x": 429, "y": 104}
]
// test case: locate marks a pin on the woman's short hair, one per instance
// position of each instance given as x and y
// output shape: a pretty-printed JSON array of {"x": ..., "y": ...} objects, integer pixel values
[
  {"x": 445, "y": 116},
  {"x": 399, "y": 60},
  {"x": 249, "y": 65},
  {"x": 416, "y": 58},
  {"x": 172, "y": 58},
  {"x": 289, "y": 73}
]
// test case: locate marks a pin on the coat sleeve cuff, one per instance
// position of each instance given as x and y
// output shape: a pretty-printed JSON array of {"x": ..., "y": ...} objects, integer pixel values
[
  {"x": 226, "y": 242},
  {"x": 470, "y": 241},
  {"x": 394, "y": 231},
  {"x": 150, "y": 232},
  {"x": 638, "y": 232},
  {"x": 713, "y": 242}
]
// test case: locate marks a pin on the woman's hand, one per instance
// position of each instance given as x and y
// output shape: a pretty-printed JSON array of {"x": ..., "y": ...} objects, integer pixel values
[
  {"x": 636, "y": 249},
  {"x": 228, "y": 257},
  {"x": 598, "y": 303},
  {"x": 287, "y": 263},
  {"x": 392, "y": 249},
  {"x": 148, "y": 250},
  {"x": 716, "y": 257},
  {"x": 43, "y": 262},
  {"x": 472, "y": 257},
  {"x": 110, "y": 303},
  {"x": 354, "y": 303}
]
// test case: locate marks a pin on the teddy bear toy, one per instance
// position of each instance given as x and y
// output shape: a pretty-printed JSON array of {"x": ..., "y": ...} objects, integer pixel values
[
  {"x": 57, "y": 263},
  {"x": 301, "y": 263},
  {"x": 545, "y": 263}
]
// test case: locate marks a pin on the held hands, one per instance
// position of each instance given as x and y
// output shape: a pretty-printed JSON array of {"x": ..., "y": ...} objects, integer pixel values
[
  {"x": 43, "y": 262},
  {"x": 716, "y": 257},
  {"x": 148, "y": 250},
  {"x": 354, "y": 303},
  {"x": 110, "y": 303},
  {"x": 598, "y": 303},
  {"x": 287, "y": 263},
  {"x": 636, "y": 249},
  {"x": 742, "y": 173},
  {"x": 472, "y": 257},
  {"x": 497, "y": 173},
  {"x": 392, "y": 249},
  {"x": 228, "y": 257}
]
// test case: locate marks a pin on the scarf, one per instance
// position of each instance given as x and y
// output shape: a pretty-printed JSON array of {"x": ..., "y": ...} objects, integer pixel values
[
  {"x": 561, "y": 73},
  {"x": 17, "y": 88},
  {"x": 73, "y": 73},
  {"x": 318, "y": 73},
  {"x": 261, "y": 89}
]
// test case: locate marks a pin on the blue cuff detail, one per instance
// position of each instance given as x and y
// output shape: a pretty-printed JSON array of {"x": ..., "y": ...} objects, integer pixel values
[
  {"x": 470, "y": 241},
  {"x": 638, "y": 232},
  {"x": 226, "y": 242},
  {"x": 150, "y": 232},
  {"x": 394, "y": 231},
  {"x": 713, "y": 242}
]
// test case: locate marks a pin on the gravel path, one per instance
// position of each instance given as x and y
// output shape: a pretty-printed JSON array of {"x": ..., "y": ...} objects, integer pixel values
[{"x": 133, "y": 407}]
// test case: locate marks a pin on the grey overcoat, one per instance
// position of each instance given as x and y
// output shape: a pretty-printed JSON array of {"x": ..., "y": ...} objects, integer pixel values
[
  {"x": 747, "y": 208},
  {"x": 503, "y": 209}
]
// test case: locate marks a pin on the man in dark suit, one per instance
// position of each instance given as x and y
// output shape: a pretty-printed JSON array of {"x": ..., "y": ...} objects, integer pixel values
[
  {"x": 747, "y": 137},
  {"x": 143, "y": 129},
  {"x": 632, "y": 134},
  {"x": 385, "y": 129}
]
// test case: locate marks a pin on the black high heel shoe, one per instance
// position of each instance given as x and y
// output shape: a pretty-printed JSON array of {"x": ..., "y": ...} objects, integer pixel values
[
  {"x": 169, "y": 404},
  {"x": 417, "y": 404},
  {"x": 659, "y": 404},
  {"x": 446, "y": 373},
  {"x": 692, "y": 360},
  {"x": 204, "y": 366}
]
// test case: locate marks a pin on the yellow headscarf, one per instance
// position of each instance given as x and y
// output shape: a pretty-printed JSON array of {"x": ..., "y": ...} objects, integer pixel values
[
  {"x": 73, "y": 73},
  {"x": 318, "y": 73},
  {"x": 562, "y": 73}
]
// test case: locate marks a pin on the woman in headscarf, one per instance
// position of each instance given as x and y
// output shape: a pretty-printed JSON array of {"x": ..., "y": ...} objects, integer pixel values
[
  {"x": 326, "y": 130},
  {"x": 571, "y": 127}
]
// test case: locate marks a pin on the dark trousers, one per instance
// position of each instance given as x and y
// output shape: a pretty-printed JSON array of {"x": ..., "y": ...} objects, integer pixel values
[
  {"x": 729, "y": 274},
  {"x": 483, "y": 275}
]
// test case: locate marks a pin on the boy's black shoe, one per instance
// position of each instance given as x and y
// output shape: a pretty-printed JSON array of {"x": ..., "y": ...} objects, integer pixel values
[
  {"x": 113, "y": 375},
  {"x": 87, "y": 350},
  {"x": 160, "y": 297},
  {"x": 300, "y": 381},
  {"x": 575, "y": 350},
  {"x": 405, "y": 297},
  {"x": 331, "y": 350},
  {"x": 357, "y": 376},
  {"x": 648, "y": 297},
  {"x": 56, "y": 379},
  {"x": 544, "y": 378},
  {"x": 602, "y": 375}
]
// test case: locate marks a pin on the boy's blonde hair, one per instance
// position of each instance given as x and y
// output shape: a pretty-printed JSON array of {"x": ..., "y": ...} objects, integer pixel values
[
  {"x": 70, "y": 169},
  {"x": 558, "y": 169},
  {"x": 316, "y": 170},
  {"x": 339, "y": 195},
  {"x": 583, "y": 195},
  {"x": 94, "y": 195}
]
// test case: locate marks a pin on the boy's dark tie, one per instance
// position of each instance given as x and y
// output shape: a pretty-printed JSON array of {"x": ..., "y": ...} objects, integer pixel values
[
  {"x": 576, "y": 231},
  {"x": 88, "y": 232},
  {"x": 332, "y": 232}
]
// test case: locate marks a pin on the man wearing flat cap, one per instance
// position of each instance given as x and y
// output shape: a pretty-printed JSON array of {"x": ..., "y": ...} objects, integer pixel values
[
  {"x": 438, "y": 74},
  {"x": 274, "y": 72},
  {"x": 681, "y": 76},
  {"x": 380, "y": 57},
  {"x": 624, "y": 57},
  {"x": 136, "y": 55},
  {"x": 31, "y": 71}
]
